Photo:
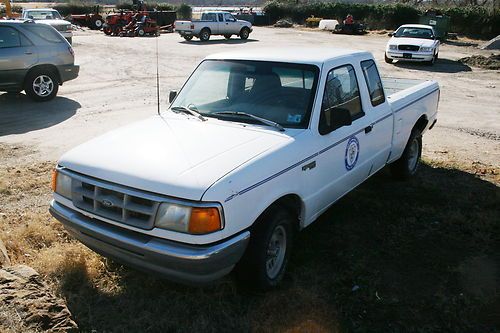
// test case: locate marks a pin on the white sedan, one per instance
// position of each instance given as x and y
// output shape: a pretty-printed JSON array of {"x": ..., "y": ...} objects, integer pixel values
[{"x": 413, "y": 42}]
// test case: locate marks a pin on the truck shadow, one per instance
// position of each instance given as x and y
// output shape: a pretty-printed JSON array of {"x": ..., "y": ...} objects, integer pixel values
[
  {"x": 388, "y": 252},
  {"x": 219, "y": 41},
  {"x": 441, "y": 66},
  {"x": 19, "y": 114}
]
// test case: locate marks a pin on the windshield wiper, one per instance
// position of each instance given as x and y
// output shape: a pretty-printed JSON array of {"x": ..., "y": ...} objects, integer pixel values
[
  {"x": 249, "y": 115},
  {"x": 178, "y": 109}
]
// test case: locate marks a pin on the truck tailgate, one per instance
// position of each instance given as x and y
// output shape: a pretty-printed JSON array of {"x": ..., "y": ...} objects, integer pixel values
[{"x": 183, "y": 25}]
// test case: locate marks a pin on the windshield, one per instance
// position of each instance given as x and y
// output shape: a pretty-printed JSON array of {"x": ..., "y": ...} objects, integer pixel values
[
  {"x": 43, "y": 15},
  {"x": 413, "y": 32},
  {"x": 280, "y": 92}
]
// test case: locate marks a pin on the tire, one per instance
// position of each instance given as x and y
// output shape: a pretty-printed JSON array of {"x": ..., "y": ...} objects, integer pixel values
[
  {"x": 264, "y": 262},
  {"x": 205, "y": 35},
  {"x": 433, "y": 61},
  {"x": 96, "y": 24},
  {"x": 141, "y": 33},
  {"x": 387, "y": 59},
  {"x": 407, "y": 165},
  {"x": 188, "y": 38},
  {"x": 244, "y": 33},
  {"x": 108, "y": 31},
  {"x": 227, "y": 36},
  {"x": 41, "y": 93}
]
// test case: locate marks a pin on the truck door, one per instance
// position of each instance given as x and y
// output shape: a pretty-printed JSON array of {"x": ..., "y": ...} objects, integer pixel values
[
  {"x": 17, "y": 55},
  {"x": 380, "y": 114},
  {"x": 343, "y": 158},
  {"x": 228, "y": 27}
]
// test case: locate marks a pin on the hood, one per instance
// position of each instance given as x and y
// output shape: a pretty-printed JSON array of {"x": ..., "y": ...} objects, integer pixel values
[
  {"x": 172, "y": 154},
  {"x": 54, "y": 22},
  {"x": 411, "y": 41}
]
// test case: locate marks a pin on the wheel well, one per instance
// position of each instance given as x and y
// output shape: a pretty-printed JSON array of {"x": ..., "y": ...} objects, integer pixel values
[
  {"x": 292, "y": 203},
  {"x": 49, "y": 68},
  {"x": 421, "y": 123},
  {"x": 206, "y": 28}
]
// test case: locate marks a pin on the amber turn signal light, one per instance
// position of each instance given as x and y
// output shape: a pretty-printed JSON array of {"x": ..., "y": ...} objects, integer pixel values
[
  {"x": 204, "y": 220},
  {"x": 54, "y": 180}
]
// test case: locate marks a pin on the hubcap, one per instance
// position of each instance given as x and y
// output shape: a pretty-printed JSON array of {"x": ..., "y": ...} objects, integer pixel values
[
  {"x": 43, "y": 86},
  {"x": 276, "y": 252},
  {"x": 413, "y": 155},
  {"x": 98, "y": 23}
]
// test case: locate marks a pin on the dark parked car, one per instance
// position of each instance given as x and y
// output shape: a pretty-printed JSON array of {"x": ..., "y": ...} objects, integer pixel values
[{"x": 34, "y": 58}]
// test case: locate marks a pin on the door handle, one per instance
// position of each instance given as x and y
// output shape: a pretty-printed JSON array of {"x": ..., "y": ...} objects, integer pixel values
[
  {"x": 309, "y": 166},
  {"x": 28, "y": 52},
  {"x": 368, "y": 129}
]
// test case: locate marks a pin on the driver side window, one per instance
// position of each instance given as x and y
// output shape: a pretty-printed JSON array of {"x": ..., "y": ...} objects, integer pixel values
[
  {"x": 229, "y": 18},
  {"x": 341, "y": 92}
]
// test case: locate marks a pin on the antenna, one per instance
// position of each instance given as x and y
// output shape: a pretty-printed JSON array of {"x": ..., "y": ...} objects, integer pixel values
[{"x": 157, "y": 71}]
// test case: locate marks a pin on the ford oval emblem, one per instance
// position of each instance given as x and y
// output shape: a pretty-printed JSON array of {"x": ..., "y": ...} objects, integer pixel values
[{"x": 107, "y": 203}]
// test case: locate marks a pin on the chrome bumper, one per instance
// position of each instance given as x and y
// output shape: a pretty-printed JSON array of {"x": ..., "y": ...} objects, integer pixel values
[
  {"x": 190, "y": 264},
  {"x": 398, "y": 55}
]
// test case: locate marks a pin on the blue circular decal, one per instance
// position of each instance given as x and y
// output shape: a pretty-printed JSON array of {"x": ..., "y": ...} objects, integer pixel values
[{"x": 351, "y": 153}]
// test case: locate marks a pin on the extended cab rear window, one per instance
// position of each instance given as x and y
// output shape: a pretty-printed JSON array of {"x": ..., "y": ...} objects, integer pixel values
[
  {"x": 45, "y": 32},
  {"x": 372, "y": 78}
]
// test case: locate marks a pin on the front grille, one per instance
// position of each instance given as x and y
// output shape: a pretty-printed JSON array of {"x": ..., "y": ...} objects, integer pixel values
[
  {"x": 113, "y": 203},
  {"x": 61, "y": 27},
  {"x": 408, "y": 48}
]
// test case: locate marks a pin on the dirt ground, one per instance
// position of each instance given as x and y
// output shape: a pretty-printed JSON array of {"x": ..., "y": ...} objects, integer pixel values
[
  {"x": 116, "y": 86},
  {"x": 425, "y": 258}
]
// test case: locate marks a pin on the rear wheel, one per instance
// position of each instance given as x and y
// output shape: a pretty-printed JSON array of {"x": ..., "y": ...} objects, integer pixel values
[
  {"x": 266, "y": 257},
  {"x": 188, "y": 38},
  {"x": 244, "y": 33},
  {"x": 205, "y": 35},
  {"x": 141, "y": 33},
  {"x": 407, "y": 165},
  {"x": 96, "y": 23},
  {"x": 107, "y": 30},
  {"x": 41, "y": 85},
  {"x": 387, "y": 59}
]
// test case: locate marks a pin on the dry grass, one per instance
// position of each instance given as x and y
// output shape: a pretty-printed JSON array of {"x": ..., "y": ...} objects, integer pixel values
[{"x": 389, "y": 257}]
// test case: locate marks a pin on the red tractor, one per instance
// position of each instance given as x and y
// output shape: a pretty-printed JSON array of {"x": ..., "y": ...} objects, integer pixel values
[
  {"x": 140, "y": 26},
  {"x": 116, "y": 22}
]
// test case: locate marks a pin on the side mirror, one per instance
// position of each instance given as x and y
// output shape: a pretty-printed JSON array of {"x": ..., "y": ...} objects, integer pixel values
[
  {"x": 334, "y": 118},
  {"x": 171, "y": 95},
  {"x": 390, "y": 34},
  {"x": 341, "y": 117}
]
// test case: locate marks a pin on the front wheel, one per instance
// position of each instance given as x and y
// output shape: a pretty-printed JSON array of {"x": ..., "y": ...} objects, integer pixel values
[
  {"x": 244, "y": 33},
  {"x": 41, "y": 86},
  {"x": 387, "y": 59},
  {"x": 265, "y": 260},
  {"x": 407, "y": 165}
]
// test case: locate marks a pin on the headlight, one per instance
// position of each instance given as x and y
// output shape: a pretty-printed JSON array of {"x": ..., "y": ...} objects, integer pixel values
[
  {"x": 426, "y": 49},
  {"x": 61, "y": 184},
  {"x": 193, "y": 220},
  {"x": 393, "y": 47}
]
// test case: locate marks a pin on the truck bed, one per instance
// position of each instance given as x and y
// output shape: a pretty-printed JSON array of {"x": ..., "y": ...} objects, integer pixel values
[{"x": 394, "y": 85}]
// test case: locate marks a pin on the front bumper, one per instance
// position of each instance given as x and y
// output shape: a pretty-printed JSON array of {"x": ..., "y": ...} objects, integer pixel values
[
  {"x": 415, "y": 56},
  {"x": 68, "y": 72},
  {"x": 190, "y": 264}
]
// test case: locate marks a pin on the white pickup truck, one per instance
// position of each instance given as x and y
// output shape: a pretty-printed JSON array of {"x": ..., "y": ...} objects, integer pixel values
[
  {"x": 254, "y": 147},
  {"x": 213, "y": 23},
  {"x": 50, "y": 17}
]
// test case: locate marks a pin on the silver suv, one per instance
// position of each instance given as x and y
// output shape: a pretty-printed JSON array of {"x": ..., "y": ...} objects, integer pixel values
[{"x": 34, "y": 58}]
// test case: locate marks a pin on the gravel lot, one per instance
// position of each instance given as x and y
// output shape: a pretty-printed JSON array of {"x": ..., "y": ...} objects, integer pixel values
[{"x": 116, "y": 86}]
